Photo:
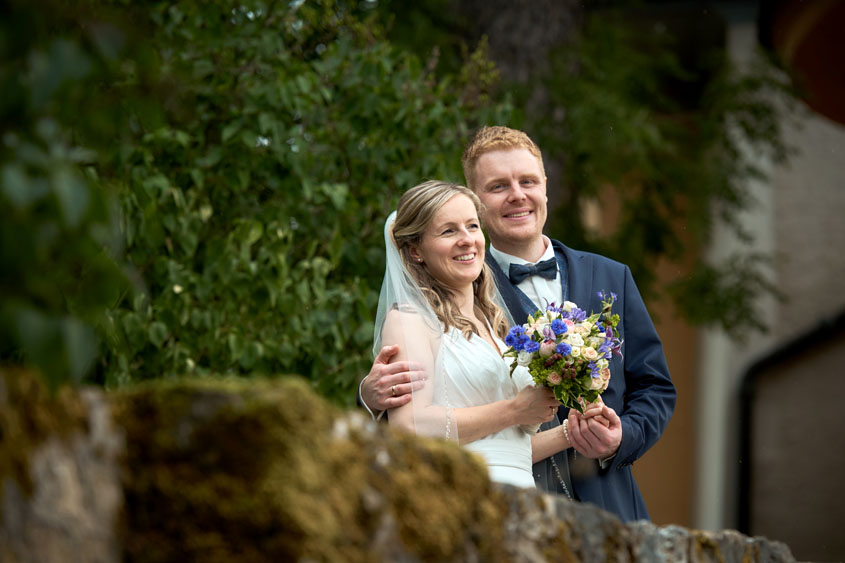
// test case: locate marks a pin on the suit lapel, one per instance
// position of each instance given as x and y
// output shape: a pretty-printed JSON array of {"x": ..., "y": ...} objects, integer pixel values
[{"x": 580, "y": 275}]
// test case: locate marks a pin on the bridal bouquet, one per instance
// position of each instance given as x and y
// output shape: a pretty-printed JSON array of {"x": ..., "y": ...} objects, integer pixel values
[{"x": 568, "y": 351}]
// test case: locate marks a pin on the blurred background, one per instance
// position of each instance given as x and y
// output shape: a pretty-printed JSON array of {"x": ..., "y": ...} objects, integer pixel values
[{"x": 199, "y": 188}]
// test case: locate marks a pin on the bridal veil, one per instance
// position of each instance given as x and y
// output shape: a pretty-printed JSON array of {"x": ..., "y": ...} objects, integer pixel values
[{"x": 405, "y": 318}]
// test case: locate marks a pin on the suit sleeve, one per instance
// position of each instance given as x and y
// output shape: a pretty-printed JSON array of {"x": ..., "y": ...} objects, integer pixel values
[{"x": 649, "y": 392}]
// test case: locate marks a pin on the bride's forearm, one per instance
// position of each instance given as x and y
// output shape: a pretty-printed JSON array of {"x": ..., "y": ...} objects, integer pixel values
[
  {"x": 472, "y": 423},
  {"x": 548, "y": 443},
  {"x": 475, "y": 423}
]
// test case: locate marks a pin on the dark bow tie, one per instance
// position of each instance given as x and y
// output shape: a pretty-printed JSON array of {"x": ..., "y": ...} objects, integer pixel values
[{"x": 547, "y": 269}]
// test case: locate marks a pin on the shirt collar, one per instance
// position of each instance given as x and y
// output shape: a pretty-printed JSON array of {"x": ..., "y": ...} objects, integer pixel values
[{"x": 505, "y": 260}]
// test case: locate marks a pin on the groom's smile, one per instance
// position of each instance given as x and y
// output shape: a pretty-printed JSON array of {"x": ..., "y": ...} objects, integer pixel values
[{"x": 512, "y": 187}]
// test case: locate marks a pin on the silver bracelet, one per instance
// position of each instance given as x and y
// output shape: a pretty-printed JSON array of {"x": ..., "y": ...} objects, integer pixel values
[{"x": 555, "y": 467}]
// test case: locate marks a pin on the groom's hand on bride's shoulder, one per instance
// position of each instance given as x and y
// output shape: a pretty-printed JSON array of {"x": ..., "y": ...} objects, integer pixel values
[{"x": 389, "y": 384}]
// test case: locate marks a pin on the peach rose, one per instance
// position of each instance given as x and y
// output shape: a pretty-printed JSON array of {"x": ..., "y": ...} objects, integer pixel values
[{"x": 590, "y": 353}]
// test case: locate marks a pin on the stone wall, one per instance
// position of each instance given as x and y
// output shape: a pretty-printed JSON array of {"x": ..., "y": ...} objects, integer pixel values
[
  {"x": 267, "y": 471},
  {"x": 60, "y": 486}
]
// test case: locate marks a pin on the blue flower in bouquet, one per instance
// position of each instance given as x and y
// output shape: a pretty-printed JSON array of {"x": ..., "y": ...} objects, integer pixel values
[
  {"x": 559, "y": 327},
  {"x": 519, "y": 340},
  {"x": 516, "y": 337},
  {"x": 563, "y": 349}
]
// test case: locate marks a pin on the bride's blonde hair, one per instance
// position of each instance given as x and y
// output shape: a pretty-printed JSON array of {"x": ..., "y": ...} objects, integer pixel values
[{"x": 414, "y": 214}]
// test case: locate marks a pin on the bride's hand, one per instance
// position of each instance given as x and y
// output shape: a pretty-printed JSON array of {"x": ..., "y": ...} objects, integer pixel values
[
  {"x": 594, "y": 411},
  {"x": 534, "y": 405}
]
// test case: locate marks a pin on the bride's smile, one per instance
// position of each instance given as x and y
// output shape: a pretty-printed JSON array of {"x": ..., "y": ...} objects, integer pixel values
[{"x": 452, "y": 248}]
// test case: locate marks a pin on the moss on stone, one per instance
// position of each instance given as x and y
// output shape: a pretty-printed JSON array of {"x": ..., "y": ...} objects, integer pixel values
[
  {"x": 559, "y": 547},
  {"x": 707, "y": 549},
  {"x": 222, "y": 470},
  {"x": 29, "y": 414},
  {"x": 442, "y": 499}
]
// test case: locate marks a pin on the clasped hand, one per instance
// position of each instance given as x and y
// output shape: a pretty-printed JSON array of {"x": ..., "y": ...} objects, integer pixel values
[{"x": 597, "y": 433}]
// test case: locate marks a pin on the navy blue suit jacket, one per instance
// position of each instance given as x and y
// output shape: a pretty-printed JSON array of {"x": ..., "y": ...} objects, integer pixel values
[{"x": 640, "y": 391}]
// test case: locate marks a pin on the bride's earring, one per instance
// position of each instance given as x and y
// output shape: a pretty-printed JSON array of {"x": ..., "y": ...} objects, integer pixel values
[{"x": 418, "y": 259}]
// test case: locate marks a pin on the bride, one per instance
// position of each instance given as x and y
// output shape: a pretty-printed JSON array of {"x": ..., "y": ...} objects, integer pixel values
[{"x": 438, "y": 304}]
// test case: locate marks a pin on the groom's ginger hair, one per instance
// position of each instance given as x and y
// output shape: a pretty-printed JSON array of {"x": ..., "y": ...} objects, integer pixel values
[{"x": 497, "y": 138}]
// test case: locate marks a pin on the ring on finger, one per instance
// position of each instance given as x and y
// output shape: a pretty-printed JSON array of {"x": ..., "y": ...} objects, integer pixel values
[{"x": 393, "y": 390}]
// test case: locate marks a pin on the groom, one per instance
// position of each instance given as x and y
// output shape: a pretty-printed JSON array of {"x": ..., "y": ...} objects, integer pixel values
[{"x": 505, "y": 168}]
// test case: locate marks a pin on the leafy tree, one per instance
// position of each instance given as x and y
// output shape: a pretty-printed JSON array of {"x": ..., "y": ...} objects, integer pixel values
[
  {"x": 254, "y": 212},
  {"x": 200, "y": 187},
  {"x": 58, "y": 234},
  {"x": 675, "y": 145},
  {"x": 629, "y": 122},
  {"x": 254, "y": 150}
]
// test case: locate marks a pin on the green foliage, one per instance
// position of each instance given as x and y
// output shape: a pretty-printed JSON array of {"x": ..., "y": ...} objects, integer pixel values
[
  {"x": 622, "y": 116},
  {"x": 58, "y": 228},
  {"x": 241, "y": 158},
  {"x": 675, "y": 165},
  {"x": 254, "y": 212},
  {"x": 200, "y": 187}
]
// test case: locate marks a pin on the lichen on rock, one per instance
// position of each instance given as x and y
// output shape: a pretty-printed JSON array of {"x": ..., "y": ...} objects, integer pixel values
[
  {"x": 29, "y": 415},
  {"x": 61, "y": 490}
]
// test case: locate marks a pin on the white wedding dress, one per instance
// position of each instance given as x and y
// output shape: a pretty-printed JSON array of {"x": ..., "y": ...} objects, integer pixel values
[
  {"x": 476, "y": 374},
  {"x": 464, "y": 373}
]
